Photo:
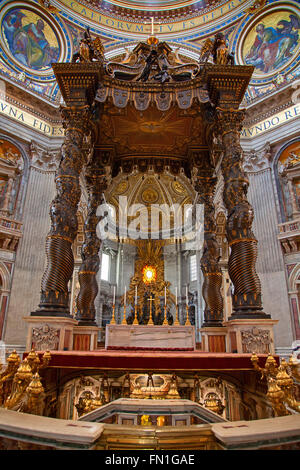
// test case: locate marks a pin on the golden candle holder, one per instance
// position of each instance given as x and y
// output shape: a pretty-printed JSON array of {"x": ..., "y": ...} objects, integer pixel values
[
  {"x": 150, "y": 322},
  {"x": 165, "y": 317},
  {"x": 135, "y": 321},
  {"x": 124, "y": 316},
  {"x": 176, "y": 316},
  {"x": 188, "y": 323},
  {"x": 113, "y": 318}
]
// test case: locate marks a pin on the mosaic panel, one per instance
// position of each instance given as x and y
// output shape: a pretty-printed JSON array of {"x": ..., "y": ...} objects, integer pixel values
[{"x": 30, "y": 39}]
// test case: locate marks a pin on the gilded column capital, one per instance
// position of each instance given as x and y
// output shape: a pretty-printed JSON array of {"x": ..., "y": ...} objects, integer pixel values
[
  {"x": 77, "y": 118},
  {"x": 229, "y": 120}
]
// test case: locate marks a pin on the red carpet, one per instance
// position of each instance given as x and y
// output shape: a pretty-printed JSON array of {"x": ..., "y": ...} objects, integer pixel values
[{"x": 153, "y": 360}]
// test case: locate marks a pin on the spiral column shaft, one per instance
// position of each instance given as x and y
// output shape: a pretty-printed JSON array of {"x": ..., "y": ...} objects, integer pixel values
[
  {"x": 96, "y": 183},
  {"x": 63, "y": 212},
  {"x": 243, "y": 244},
  {"x": 204, "y": 183}
]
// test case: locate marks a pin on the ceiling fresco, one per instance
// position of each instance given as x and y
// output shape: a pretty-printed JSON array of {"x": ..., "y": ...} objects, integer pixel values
[
  {"x": 153, "y": 4},
  {"x": 35, "y": 33}
]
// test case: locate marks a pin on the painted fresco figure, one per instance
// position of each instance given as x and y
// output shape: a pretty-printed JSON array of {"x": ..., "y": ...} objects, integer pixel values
[
  {"x": 273, "y": 47},
  {"x": 28, "y": 43}
]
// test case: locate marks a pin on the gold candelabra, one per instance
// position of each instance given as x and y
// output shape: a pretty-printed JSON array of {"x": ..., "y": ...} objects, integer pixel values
[
  {"x": 135, "y": 321},
  {"x": 20, "y": 385},
  {"x": 124, "y": 316},
  {"x": 113, "y": 318},
  {"x": 176, "y": 316},
  {"x": 282, "y": 381},
  {"x": 188, "y": 323},
  {"x": 165, "y": 316},
  {"x": 150, "y": 322}
]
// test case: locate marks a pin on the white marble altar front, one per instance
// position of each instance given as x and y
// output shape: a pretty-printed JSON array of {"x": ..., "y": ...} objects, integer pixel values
[{"x": 150, "y": 337}]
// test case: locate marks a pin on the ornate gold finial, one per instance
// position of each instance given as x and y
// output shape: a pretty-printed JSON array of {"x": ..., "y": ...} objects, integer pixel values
[
  {"x": 36, "y": 395},
  {"x": 46, "y": 358},
  {"x": 284, "y": 381},
  {"x": 270, "y": 368},
  {"x": 31, "y": 355},
  {"x": 13, "y": 358},
  {"x": 24, "y": 371},
  {"x": 275, "y": 395},
  {"x": 152, "y": 41},
  {"x": 34, "y": 361},
  {"x": 281, "y": 391},
  {"x": 211, "y": 403},
  {"x": 35, "y": 387},
  {"x": 270, "y": 362}
]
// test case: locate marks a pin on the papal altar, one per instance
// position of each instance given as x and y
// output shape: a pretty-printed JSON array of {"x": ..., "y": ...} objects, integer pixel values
[{"x": 158, "y": 337}]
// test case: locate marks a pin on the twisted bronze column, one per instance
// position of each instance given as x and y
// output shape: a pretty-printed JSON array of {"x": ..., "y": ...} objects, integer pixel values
[
  {"x": 211, "y": 289},
  {"x": 241, "y": 265},
  {"x": 63, "y": 212},
  {"x": 96, "y": 184}
]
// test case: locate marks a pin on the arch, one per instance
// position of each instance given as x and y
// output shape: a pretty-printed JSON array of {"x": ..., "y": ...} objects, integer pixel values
[
  {"x": 20, "y": 194},
  {"x": 279, "y": 189},
  {"x": 5, "y": 277},
  {"x": 294, "y": 279},
  {"x": 19, "y": 147}
]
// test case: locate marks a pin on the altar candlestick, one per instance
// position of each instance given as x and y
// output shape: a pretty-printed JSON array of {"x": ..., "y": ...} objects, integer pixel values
[
  {"x": 187, "y": 308},
  {"x": 113, "y": 319},
  {"x": 176, "y": 294},
  {"x": 165, "y": 295},
  {"x": 135, "y": 295},
  {"x": 124, "y": 316}
]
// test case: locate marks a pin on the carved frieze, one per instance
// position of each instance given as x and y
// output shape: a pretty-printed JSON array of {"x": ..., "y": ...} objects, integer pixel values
[
  {"x": 257, "y": 161},
  {"x": 44, "y": 159},
  {"x": 256, "y": 340},
  {"x": 45, "y": 337}
]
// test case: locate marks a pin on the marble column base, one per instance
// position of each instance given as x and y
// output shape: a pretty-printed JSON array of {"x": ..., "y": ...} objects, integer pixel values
[
  {"x": 150, "y": 337},
  {"x": 214, "y": 339},
  {"x": 85, "y": 338},
  {"x": 53, "y": 333},
  {"x": 248, "y": 336}
]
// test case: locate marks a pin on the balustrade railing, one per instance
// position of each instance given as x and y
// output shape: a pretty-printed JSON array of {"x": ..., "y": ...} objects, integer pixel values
[
  {"x": 11, "y": 224},
  {"x": 288, "y": 227}
]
